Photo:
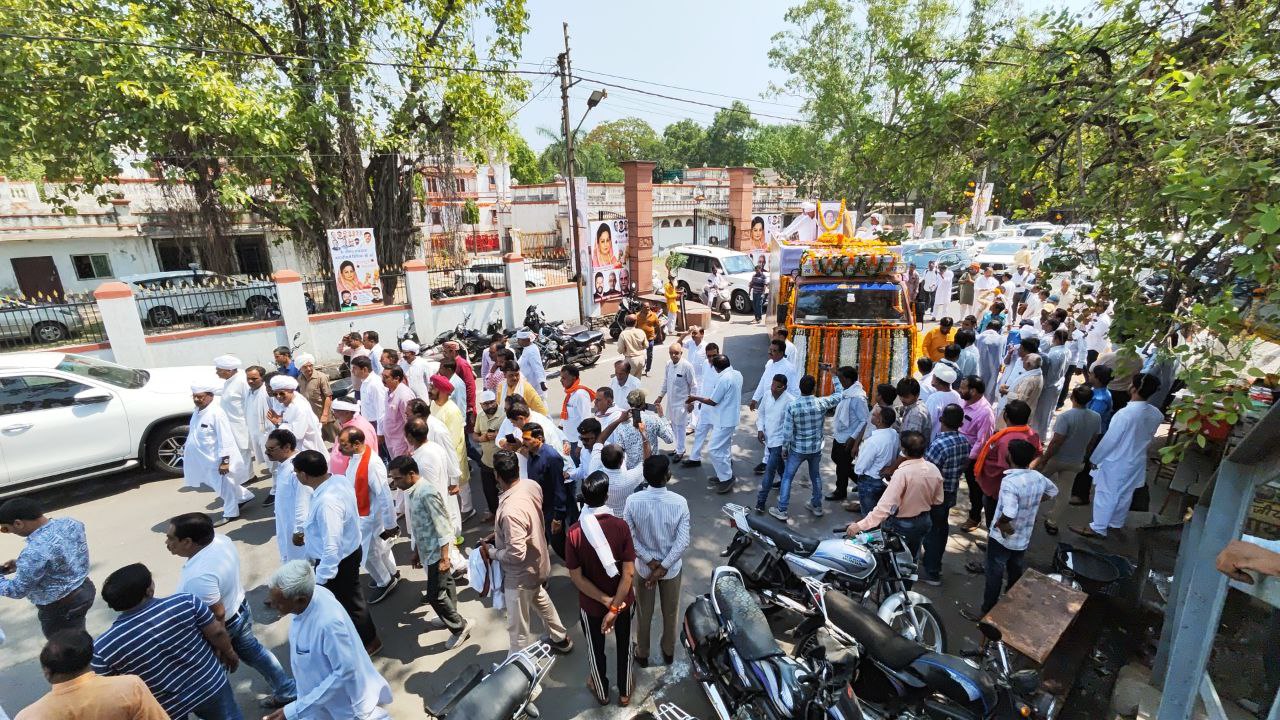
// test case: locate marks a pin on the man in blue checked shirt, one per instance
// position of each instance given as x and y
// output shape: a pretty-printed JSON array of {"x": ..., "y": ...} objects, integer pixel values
[
  {"x": 52, "y": 571},
  {"x": 802, "y": 441},
  {"x": 949, "y": 451}
]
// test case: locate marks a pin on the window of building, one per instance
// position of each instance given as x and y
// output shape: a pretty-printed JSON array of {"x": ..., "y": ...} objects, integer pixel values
[
  {"x": 432, "y": 185},
  {"x": 91, "y": 267},
  {"x": 251, "y": 253},
  {"x": 493, "y": 217},
  {"x": 666, "y": 223},
  {"x": 18, "y": 192},
  {"x": 437, "y": 218},
  {"x": 460, "y": 184},
  {"x": 175, "y": 253},
  {"x": 493, "y": 181}
]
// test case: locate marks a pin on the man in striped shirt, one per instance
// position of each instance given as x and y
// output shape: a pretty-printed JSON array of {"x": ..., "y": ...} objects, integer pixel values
[{"x": 175, "y": 644}]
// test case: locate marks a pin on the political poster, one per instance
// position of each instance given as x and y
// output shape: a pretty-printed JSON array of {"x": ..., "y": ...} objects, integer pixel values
[
  {"x": 355, "y": 267},
  {"x": 765, "y": 231},
  {"x": 610, "y": 278},
  {"x": 579, "y": 217}
]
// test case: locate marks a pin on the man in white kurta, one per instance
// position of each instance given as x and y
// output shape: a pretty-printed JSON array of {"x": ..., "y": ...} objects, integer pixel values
[
  {"x": 1120, "y": 459},
  {"x": 990, "y": 351},
  {"x": 416, "y": 369},
  {"x": 234, "y": 399},
  {"x": 211, "y": 456},
  {"x": 293, "y": 499},
  {"x": 778, "y": 364},
  {"x": 297, "y": 416},
  {"x": 1053, "y": 367},
  {"x": 255, "y": 415},
  {"x": 678, "y": 383},
  {"x": 336, "y": 679},
  {"x": 942, "y": 296},
  {"x": 371, "y": 394},
  {"x": 368, "y": 476},
  {"x": 804, "y": 228},
  {"x": 723, "y": 408},
  {"x": 531, "y": 363}
]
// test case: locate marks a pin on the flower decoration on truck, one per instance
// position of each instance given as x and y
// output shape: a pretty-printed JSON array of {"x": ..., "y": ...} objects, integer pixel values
[{"x": 859, "y": 260}]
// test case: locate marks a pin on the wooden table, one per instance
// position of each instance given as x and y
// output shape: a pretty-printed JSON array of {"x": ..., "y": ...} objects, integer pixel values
[{"x": 1035, "y": 613}]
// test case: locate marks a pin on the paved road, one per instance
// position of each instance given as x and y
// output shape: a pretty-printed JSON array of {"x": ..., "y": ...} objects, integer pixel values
[{"x": 126, "y": 518}]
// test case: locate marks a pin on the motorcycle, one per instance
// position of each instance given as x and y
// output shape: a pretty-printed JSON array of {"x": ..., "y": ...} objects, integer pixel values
[
  {"x": 744, "y": 672},
  {"x": 900, "y": 679},
  {"x": 505, "y": 693},
  {"x": 627, "y": 305},
  {"x": 875, "y": 568},
  {"x": 576, "y": 345}
]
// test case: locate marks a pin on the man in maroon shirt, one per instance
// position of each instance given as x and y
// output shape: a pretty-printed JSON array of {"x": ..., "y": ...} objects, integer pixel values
[
  {"x": 993, "y": 459},
  {"x": 453, "y": 351},
  {"x": 601, "y": 561}
]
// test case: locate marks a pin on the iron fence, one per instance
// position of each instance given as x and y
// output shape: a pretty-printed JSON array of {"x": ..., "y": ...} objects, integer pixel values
[
  {"x": 482, "y": 276},
  {"x": 174, "y": 304},
  {"x": 546, "y": 273},
  {"x": 26, "y": 325}
]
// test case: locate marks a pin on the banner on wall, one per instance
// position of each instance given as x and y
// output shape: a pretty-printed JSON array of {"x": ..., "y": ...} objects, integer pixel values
[
  {"x": 765, "y": 231},
  {"x": 355, "y": 267},
  {"x": 608, "y": 248}
]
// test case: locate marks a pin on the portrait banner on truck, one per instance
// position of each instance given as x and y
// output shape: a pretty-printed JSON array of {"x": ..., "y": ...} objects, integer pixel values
[{"x": 355, "y": 267}]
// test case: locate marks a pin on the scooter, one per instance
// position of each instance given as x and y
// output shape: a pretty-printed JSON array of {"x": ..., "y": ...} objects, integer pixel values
[
  {"x": 897, "y": 678},
  {"x": 744, "y": 672},
  {"x": 875, "y": 568},
  {"x": 506, "y": 692}
]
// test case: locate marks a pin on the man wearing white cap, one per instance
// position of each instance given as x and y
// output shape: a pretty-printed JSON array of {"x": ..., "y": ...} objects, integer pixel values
[
  {"x": 942, "y": 378},
  {"x": 314, "y": 386},
  {"x": 347, "y": 414},
  {"x": 297, "y": 416},
  {"x": 416, "y": 369},
  {"x": 805, "y": 227},
  {"x": 234, "y": 400},
  {"x": 210, "y": 455},
  {"x": 531, "y": 363}
]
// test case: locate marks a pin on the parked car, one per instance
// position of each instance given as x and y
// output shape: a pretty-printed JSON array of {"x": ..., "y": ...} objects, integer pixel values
[
  {"x": 67, "y": 417},
  {"x": 983, "y": 238},
  {"x": 1000, "y": 255},
  {"x": 166, "y": 298},
  {"x": 1038, "y": 229},
  {"x": 39, "y": 323},
  {"x": 702, "y": 260},
  {"x": 466, "y": 279}
]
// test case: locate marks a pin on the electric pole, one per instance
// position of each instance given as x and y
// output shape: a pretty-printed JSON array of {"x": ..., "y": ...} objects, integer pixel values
[{"x": 566, "y": 71}]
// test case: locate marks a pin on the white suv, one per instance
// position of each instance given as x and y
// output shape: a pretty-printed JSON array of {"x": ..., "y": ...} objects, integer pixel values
[
  {"x": 67, "y": 417},
  {"x": 702, "y": 261},
  {"x": 165, "y": 298}
]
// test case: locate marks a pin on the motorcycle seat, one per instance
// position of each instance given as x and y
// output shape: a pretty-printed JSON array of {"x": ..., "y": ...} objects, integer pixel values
[
  {"x": 497, "y": 697},
  {"x": 957, "y": 679},
  {"x": 782, "y": 535},
  {"x": 877, "y": 638},
  {"x": 588, "y": 336},
  {"x": 750, "y": 633}
]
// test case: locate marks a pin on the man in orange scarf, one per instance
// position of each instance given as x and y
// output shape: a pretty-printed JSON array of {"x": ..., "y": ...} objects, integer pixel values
[
  {"x": 368, "y": 477},
  {"x": 576, "y": 408},
  {"x": 993, "y": 459}
]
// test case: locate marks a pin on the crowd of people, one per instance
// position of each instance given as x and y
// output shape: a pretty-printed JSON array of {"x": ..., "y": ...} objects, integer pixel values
[{"x": 584, "y": 484}]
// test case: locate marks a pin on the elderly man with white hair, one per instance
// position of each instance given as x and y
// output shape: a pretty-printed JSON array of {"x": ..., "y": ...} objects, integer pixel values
[
  {"x": 234, "y": 401},
  {"x": 210, "y": 455},
  {"x": 314, "y": 386},
  {"x": 530, "y": 362},
  {"x": 416, "y": 369},
  {"x": 678, "y": 384},
  {"x": 336, "y": 679},
  {"x": 297, "y": 416}
]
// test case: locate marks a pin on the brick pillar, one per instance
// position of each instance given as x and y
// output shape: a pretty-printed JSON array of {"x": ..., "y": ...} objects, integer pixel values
[
  {"x": 742, "y": 182},
  {"x": 637, "y": 176}
]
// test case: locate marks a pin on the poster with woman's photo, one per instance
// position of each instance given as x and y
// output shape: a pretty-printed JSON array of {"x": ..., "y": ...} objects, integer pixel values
[
  {"x": 355, "y": 267},
  {"x": 610, "y": 278},
  {"x": 765, "y": 229}
]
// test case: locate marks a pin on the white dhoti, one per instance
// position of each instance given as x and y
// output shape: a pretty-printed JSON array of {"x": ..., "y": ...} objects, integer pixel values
[
  {"x": 377, "y": 560},
  {"x": 679, "y": 419},
  {"x": 701, "y": 432},
  {"x": 721, "y": 447},
  {"x": 1113, "y": 491}
]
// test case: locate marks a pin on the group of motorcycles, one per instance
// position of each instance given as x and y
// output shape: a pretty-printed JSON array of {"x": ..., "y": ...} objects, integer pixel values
[
  {"x": 559, "y": 343},
  {"x": 849, "y": 661}
]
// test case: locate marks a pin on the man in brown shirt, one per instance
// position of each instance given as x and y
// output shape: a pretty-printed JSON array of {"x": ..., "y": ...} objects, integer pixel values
[
  {"x": 519, "y": 544},
  {"x": 916, "y": 486},
  {"x": 631, "y": 345},
  {"x": 78, "y": 693},
  {"x": 314, "y": 386}
]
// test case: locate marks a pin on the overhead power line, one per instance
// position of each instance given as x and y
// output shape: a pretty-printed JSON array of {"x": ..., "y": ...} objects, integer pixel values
[{"x": 695, "y": 90}]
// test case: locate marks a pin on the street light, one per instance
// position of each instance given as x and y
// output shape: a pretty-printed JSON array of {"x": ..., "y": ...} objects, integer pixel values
[{"x": 594, "y": 100}]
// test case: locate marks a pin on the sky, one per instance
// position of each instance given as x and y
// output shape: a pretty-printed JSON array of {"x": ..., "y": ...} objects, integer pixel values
[{"x": 716, "y": 49}]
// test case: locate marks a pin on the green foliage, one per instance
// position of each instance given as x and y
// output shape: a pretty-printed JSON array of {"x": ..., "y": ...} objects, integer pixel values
[
  {"x": 470, "y": 212},
  {"x": 626, "y": 139},
  {"x": 729, "y": 136},
  {"x": 684, "y": 144},
  {"x": 525, "y": 168}
]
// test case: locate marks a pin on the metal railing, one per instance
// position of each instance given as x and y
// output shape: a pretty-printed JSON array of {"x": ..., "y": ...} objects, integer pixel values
[
  {"x": 476, "y": 279},
  {"x": 546, "y": 273},
  {"x": 26, "y": 325},
  {"x": 172, "y": 306}
]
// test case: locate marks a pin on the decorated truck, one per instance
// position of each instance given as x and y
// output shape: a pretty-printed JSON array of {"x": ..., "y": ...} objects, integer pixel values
[{"x": 844, "y": 302}]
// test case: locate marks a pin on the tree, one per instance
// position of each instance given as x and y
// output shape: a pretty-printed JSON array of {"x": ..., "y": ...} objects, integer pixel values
[
  {"x": 798, "y": 153},
  {"x": 684, "y": 144},
  {"x": 281, "y": 108},
  {"x": 626, "y": 139},
  {"x": 729, "y": 136},
  {"x": 525, "y": 168},
  {"x": 590, "y": 158}
]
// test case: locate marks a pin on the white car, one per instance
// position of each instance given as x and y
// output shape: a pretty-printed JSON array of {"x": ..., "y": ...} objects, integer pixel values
[
  {"x": 494, "y": 272},
  {"x": 67, "y": 417},
  {"x": 703, "y": 260},
  {"x": 1037, "y": 229},
  {"x": 1000, "y": 253},
  {"x": 165, "y": 298},
  {"x": 983, "y": 238}
]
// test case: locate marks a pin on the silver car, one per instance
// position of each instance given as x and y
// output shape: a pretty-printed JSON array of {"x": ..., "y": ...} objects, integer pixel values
[{"x": 39, "y": 323}]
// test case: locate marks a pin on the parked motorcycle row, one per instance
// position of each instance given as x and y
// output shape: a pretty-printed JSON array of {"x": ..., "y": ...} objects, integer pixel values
[{"x": 560, "y": 344}]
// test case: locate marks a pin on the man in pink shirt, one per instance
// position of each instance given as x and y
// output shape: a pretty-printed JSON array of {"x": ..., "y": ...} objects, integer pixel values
[
  {"x": 916, "y": 486},
  {"x": 348, "y": 415},
  {"x": 979, "y": 423},
  {"x": 398, "y": 397}
]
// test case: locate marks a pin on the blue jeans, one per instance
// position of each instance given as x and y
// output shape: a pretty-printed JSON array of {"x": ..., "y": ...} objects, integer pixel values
[
  {"x": 757, "y": 304},
  {"x": 772, "y": 467},
  {"x": 789, "y": 473},
  {"x": 935, "y": 543},
  {"x": 1002, "y": 564},
  {"x": 253, "y": 654},
  {"x": 912, "y": 530},
  {"x": 869, "y": 491},
  {"x": 220, "y": 706}
]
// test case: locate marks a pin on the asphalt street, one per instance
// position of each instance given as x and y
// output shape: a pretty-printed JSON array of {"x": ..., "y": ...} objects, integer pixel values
[{"x": 126, "y": 516}]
